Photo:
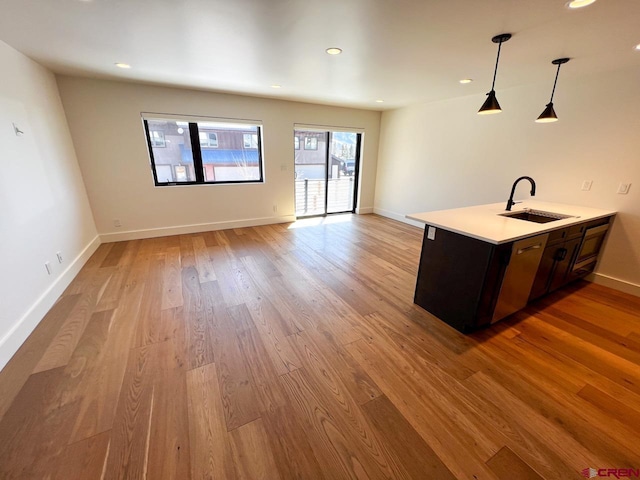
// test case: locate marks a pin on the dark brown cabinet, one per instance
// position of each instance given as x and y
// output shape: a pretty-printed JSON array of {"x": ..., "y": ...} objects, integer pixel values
[
  {"x": 461, "y": 280},
  {"x": 557, "y": 267}
]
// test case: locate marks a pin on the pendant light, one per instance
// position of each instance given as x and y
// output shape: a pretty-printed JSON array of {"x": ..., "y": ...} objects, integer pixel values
[
  {"x": 549, "y": 114},
  {"x": 491, "y": 104}
]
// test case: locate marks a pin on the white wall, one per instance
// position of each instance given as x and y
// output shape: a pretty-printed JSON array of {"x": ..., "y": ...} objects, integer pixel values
[
  {"x": 443, "y": 155},
  {"x": 104, "y": 118},
  {"x": 43, "y": 203}
]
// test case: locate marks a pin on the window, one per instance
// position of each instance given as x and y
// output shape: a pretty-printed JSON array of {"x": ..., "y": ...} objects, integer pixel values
[
  {"x": 250, "y": 140},
  {"x": 208, "y": 139},
  {"x": 296, "y": 142},
  {"x": 157, "y": 139},
  {"x": 310, "y": 143},
  {"x": 187, "y": 152}
]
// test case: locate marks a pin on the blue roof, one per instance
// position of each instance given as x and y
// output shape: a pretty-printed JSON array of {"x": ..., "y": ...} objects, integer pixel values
[{"x": 214, "y": 156}]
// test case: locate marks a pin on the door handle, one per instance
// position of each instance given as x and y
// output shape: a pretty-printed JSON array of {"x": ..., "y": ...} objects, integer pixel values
[
  {"x": 532, "y": 247},
  {"x": 561, "y": 254}
]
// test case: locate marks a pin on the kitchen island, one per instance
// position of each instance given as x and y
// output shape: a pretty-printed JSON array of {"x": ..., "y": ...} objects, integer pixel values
[{"x": 480, "y": 264}]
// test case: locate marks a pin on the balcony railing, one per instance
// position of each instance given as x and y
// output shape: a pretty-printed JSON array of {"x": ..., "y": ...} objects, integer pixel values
[{"x": 310, "y": 196}]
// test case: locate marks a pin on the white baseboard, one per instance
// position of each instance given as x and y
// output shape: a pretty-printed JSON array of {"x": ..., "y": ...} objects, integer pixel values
[
  {"x": 615, "y": 283},
  {"x": 397, "y": 216},
  {"x": 195, "y": 228},
  {"x": 364, "y": 210},
  {"x": 15, "y": 337}
]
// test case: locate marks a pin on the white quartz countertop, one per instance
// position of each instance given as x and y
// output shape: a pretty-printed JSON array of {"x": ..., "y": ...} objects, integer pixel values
[{"x": 484, "y": 222}]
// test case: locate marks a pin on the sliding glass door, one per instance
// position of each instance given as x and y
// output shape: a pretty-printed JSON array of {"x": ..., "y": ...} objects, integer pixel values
[{"x": 326, "y": 171}]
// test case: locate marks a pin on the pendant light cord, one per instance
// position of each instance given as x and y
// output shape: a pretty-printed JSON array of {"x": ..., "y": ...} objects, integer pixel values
[
  {"x": 495, "y": 71},
  {"x": 555, "y": 82}
]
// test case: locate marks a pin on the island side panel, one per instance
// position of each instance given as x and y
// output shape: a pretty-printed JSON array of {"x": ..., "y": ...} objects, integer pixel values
[{"x": 451, "y": 277}]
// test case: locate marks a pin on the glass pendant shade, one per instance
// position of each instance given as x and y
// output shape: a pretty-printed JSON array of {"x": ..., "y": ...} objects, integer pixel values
[
  {"x": 490, "y": 105},
  {"x": 548, "y": 115}
]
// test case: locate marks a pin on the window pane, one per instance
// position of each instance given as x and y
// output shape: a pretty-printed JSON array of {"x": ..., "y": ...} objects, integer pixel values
[
  {"x": 231, "y": 154},
  {"x": 171, "y": 148},
  {"x": 310, "y": 143}
]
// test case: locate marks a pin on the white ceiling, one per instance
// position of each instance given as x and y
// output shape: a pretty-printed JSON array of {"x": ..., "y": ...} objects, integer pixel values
[{"x": 401, "y": 51}]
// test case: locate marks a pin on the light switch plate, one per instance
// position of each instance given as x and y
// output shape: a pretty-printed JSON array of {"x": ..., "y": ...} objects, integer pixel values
[
  {"x": 623, "y": 188},
  {"x": 586, "y": 185},
  {"x": 431, "y": 233}
]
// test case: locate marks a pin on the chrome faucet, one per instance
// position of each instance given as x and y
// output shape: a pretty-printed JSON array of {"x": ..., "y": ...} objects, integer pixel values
[{"x": 510, "y": 202}]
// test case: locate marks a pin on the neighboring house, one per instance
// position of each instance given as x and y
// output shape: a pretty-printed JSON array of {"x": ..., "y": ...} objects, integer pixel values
[{"x": 228, "y": 154}]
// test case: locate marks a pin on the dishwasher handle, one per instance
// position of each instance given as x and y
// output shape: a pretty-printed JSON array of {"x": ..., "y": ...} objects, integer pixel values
[{"x": 530, "y": 247}]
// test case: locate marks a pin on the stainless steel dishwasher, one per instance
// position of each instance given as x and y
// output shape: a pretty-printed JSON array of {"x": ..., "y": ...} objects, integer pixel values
[{"x": 519, "y": 275}]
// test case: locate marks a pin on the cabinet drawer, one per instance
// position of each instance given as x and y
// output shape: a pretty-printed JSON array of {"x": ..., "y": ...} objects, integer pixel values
[{"x": 576, "y": 231}]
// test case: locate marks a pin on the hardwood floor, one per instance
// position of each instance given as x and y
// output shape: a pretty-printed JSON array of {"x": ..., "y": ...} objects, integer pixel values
[{"x": 275, "y": 352}]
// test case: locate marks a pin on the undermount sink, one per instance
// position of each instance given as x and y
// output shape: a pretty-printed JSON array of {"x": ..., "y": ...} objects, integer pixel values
[{"x": 536, "y": 216}]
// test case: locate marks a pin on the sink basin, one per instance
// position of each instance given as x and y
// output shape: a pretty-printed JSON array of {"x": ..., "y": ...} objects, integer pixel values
[{"x": 537, "y": 216}]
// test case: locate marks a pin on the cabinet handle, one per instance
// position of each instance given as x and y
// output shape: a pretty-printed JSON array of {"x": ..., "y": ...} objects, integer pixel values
[
  {"x": 532, "y": 247},
  {"x": 561, "y": 254}
]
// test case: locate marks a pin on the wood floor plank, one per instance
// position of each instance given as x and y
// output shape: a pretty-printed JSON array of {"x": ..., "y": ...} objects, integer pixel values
[
  {"x": 131, "y": 433},
  {"x": 101, "y": 390},
  {"x": 438, "y": 430},
  {"x": 203, "y": 260},
  {"x": 172, "y": 280},
  {"x": 239, "y": 398},
  {"x": 411, "y": 454},
  {"x": 252, "y": 452},
  {"x": 295, "y": 457},
  {"x": 169, "y": 446},
  {"x": 14, "y": 375},
  {"x": 333, "y": 445},
  {"x": 36, "y": 428},
  {"x": 507, "y": 465},
  {"x": 198, "y": 336},
  {"x": 210, "y": 445},
  {"x": 84, "y": 459},
  {"x": 115, "y": 254},
  {"x": 62, "y": 346},
  {"x": 611, "y": 406},
  {"x": 260, "y": 367},
  {"x": 149, "y": 322}
]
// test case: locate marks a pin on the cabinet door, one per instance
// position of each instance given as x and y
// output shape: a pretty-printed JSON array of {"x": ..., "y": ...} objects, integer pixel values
[
  {"x": 562, "y": 276},
  {"x": 545, "y": 271}
]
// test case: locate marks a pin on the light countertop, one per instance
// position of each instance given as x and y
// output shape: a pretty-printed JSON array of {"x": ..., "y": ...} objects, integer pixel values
[{"x": 484, "y": 222}]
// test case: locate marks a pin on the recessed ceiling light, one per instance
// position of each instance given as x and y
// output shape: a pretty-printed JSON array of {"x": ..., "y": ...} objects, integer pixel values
[
  {"x": 637, "y": 47},
  {"x": 123, "y": 65},
  {"x": 580, "y": 3},
  {"x": 466, "y": 80},
  {"x": 334, "y": 51},
  {"x": 379, "y": 101},
  {"x": 276, "y": 86}
]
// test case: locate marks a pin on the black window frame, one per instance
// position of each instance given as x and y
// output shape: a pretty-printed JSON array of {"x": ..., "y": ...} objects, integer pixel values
[{"x": 197, "y": 153}]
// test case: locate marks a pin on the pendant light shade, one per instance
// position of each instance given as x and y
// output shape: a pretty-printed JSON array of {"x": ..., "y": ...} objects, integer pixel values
[
  {"x": 549, "y": 114},
  {"x": 491, "y": 104}
]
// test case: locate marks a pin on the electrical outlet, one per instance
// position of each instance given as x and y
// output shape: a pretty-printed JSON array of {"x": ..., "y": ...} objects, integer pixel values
[
  {"x": 275, "y": 208},
  {"x": 623, "y": 188},
  {"x": 117, "y": 223},
  {"x": 586, "y": 185},
  {"x": 47, "y": 265},
  {"x": 59, "y": 255}
]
